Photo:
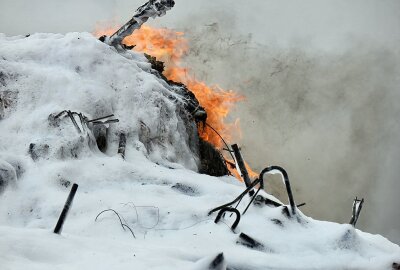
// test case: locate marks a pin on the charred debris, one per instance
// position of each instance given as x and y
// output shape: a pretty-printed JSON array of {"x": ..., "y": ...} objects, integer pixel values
[{"x": 211, "y": 160}]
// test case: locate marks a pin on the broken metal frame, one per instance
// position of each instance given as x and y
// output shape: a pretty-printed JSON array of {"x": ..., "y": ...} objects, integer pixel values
[
  {"x": 357, "y": 206},
  {"x": 85, "y": 121},
  {"x": 260, "y": 180}
]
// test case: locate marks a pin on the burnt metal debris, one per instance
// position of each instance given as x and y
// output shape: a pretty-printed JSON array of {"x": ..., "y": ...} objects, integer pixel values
[
  {"x": 356, "y": 209},
  {"x": 241, "y": 167},
  {"x": 85, "y": 122},
  {"x": 249, "y": 242},
  {"x": 65, "y": 210},
  {"x": 151, "y": 9},
  {"x": 122, "y": 145},
  {"x": 259, "y": 181},
  {"x": 232, "y": 210}
]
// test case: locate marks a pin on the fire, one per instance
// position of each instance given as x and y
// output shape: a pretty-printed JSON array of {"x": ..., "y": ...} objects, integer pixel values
[{"x": 170, "y": 47}]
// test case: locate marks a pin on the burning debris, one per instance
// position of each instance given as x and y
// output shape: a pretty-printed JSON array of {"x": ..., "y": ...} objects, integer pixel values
[
  {"x": 211, "y": 160},
  {"x": 151, "y": 9}
]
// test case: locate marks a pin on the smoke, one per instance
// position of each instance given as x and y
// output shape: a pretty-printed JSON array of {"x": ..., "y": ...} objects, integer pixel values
[
  {"x": 331, "y": 119},
  {"x": 321, "y": 80},
  {"x": 324, "y": 108}
]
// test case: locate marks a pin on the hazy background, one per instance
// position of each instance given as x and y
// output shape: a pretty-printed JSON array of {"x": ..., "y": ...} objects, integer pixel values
[{"x": 321, "y": 80}]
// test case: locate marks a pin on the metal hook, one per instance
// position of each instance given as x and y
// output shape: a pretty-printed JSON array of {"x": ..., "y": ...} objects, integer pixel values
[
  {"x": 286, "y": 181},
  {"x": 229, "y": 209}
]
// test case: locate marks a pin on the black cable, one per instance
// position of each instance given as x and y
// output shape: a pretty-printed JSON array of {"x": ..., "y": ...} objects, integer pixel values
[
  {"x": 227, "y": 147},
  {"x": 120, "y": 220}
]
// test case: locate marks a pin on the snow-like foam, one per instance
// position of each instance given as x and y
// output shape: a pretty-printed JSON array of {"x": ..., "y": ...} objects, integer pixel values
[{"x": 163, "y": 202}]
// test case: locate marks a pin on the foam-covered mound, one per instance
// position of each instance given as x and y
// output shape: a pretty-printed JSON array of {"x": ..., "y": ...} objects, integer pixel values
[
  {"x": 45, "y": 74},
  {"x": 156, "y": 189}
]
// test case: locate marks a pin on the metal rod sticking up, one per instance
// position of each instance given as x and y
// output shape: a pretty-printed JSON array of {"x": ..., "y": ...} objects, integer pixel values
[
  {"x": 71, "y": 116},
  {"x": 65, "y": 210},
  {"x": 242, "y": 167}
]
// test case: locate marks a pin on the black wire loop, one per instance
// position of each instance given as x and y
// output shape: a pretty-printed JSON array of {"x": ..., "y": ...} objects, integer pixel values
[
  {"x": 260, "y": 181},
  {"x": 229, "y": 209}
]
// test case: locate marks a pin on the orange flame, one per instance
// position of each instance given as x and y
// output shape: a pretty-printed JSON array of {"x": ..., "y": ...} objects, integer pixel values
[{"x": 170, "y": 47}]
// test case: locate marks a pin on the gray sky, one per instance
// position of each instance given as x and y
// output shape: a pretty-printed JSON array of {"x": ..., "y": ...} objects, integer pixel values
[{"x": 266, "y": 20}]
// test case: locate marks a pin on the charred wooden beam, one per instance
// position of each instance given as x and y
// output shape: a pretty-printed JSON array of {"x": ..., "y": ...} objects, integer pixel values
[{"x": 65, "y": 210}]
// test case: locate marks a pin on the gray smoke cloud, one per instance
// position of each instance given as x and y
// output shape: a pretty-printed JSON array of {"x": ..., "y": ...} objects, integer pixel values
[
  {"x": 321, "y": 80},
  {"x": 329, "y": 118},
  {"x": 322, "y": 99}
]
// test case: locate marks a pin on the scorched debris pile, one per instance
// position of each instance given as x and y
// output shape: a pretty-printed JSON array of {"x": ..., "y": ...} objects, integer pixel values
[{"x": 211, "y": 160}]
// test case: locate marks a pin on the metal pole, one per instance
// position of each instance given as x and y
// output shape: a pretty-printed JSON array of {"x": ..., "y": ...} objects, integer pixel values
[
  {"x": 242, "y": 167},
  {"x": 65, "y": 210}
]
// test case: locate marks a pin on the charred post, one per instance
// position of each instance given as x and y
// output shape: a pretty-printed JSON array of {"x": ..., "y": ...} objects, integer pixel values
[
  {"x": 122, "y": 145},
  {"x": 65, "y": 210},
  {"x": 242, "y": 167}
]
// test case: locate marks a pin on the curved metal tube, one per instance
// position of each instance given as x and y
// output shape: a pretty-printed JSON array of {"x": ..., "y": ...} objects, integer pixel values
[
  {"x": 286, "y": 181},
  {"x": 260, "y": 180},
  {"x": 229, "y": 209}
]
